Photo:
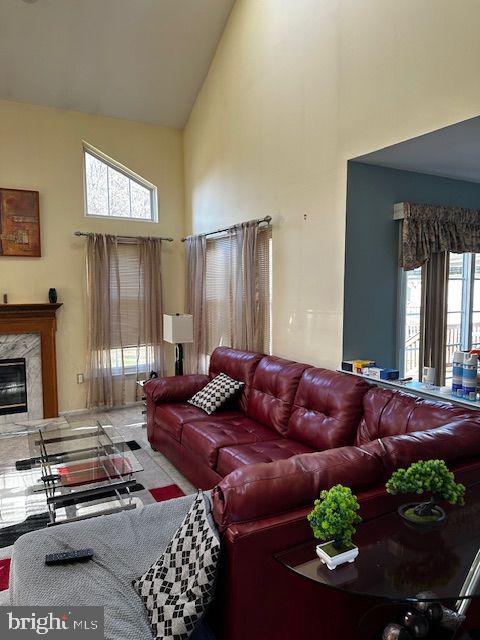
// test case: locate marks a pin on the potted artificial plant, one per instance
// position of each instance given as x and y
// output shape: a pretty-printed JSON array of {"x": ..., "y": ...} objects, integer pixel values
[
  {"x": 431, "y": 476},
  {"x": 332, "y": 519}
]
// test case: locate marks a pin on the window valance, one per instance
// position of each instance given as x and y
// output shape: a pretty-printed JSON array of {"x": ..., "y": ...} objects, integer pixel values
[{"x": 429, "y": 229}]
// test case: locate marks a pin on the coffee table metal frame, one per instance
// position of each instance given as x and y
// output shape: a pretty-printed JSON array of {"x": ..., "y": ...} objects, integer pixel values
[{"x": 57, "y": 494}]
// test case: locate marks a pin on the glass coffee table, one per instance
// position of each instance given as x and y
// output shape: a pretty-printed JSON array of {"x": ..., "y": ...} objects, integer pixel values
[
  {"x": 402, "y": 567},
  {"x": 60, "y": 472},
  {"x": 85, "y": 468}
]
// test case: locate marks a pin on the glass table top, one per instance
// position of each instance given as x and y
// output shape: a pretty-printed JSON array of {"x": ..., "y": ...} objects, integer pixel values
[
  {"x": 92, "y": 469},
  {"x": 82, "y": 452},
  {"x": 396, "y": 563}
]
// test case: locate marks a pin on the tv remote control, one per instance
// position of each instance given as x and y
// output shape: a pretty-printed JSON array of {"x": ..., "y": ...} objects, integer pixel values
[{"x": 78, "y": 555}]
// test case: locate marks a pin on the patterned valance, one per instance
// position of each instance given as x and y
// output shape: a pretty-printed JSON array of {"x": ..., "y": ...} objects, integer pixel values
[{"x": 431, "y": 229}]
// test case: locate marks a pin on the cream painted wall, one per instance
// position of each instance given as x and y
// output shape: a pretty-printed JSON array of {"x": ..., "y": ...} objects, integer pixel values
[
  {"x": 41, "y": 149},
  {"x": 296, "y": 89}
]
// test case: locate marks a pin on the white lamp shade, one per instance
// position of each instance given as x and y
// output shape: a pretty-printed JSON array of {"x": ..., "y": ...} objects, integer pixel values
[{"x": 177, "y": 328}]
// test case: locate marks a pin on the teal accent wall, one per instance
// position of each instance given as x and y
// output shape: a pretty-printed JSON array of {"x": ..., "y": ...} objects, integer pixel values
[{"x": 371, "y": 251}]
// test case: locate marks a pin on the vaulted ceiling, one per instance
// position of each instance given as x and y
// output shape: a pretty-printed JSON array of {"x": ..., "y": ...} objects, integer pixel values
[{"x": 137, "y": 59}]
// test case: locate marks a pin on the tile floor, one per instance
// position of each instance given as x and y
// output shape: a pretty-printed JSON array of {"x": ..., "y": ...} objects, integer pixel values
[{"x": 127, "y": 421}]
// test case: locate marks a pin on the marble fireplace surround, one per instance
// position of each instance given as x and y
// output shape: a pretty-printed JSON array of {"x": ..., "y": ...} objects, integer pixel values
[
  {"x": 25, "y": 345},
  {"x": 40, "y": 319}
]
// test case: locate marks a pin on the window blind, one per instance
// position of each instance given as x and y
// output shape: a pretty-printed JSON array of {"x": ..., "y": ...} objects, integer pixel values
[
  {"x": 228, "y": 273},
  {"x": 129, "y": 280},
  {"x": 218, "y": 294}
]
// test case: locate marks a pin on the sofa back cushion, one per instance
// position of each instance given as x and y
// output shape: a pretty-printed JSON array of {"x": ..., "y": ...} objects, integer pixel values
[
  {"x": 273, "y": 389},
  {"x": 239, "y": 365},
  {"x": 454, "y": 442},
  {"x": 266, "y": 489},
  {"x": 388, "y": 413},
  {"x": 327, "y": 409}
]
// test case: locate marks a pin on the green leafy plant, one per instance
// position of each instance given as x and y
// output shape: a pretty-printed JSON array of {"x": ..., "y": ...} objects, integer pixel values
[
  {"x": 333, "y": 517},
  {"x": 430, "y": 476}
]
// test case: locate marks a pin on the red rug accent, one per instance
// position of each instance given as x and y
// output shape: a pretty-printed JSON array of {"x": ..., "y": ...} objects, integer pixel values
[
  {"x": 4, "y": 573},
  {"x": 87, "y": 472},
  {"x": 166, "y": 493}
]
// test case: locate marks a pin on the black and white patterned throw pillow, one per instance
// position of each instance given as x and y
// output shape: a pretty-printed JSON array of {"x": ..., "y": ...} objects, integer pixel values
[
  {"x": 216, "y": 393},
  {"x": 178, "y": 587}
]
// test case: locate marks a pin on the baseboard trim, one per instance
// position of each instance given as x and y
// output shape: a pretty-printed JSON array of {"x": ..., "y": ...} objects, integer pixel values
[{"x": 75, "y": 412}]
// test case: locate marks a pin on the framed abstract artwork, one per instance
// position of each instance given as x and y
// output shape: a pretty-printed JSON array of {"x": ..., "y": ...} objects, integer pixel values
[{"x": 19, "y": 223}]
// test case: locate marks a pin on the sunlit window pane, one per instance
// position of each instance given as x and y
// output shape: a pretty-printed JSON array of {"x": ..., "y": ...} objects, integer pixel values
[
  {"x": 457, "y": 283},
  {"x": 413, "y": 303},
  {"x": 96, "y": 186},
  {"x": 476, "y": 304},
  {"x": 140, "y": 198},
  {"x": 118, "y": 188},
  {"x": 111, "y": 191},
  {"x": 476, "y": 330}
]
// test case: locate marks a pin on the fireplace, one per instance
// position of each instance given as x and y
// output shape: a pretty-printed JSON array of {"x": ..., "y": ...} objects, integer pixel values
[
  {"x": 24, "y": 329},
  {"x": 13, "y": 386}
]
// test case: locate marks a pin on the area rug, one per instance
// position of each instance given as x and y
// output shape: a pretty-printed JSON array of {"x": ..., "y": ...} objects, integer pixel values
[
  {"x": 4, "y": 573},
  {"x": 167, "y": 493}
]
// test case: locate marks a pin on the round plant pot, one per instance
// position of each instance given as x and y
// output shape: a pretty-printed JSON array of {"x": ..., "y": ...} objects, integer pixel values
[
  {"x": 421, "y": 523},
  {"x": 333, "y": 558}
]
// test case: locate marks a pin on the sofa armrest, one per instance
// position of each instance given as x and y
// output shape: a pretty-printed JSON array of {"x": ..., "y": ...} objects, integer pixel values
[
  {"x": 259, "y": 490},
  {"x": 174, "y": 388}
]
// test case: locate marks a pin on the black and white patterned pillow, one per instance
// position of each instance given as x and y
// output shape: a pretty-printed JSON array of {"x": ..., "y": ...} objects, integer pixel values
[
  {"x": 178, "y": 587},
  {"x": 216, "y": 393}
]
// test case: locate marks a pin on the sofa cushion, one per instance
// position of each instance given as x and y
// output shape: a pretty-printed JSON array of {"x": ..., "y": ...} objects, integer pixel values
[
  {"x": 387, "y": 413},
  {"x": 230, "y": 458},
  {"x": 239, "y": 365},
  {"x": 206, "y": 437},
  {"x": 273, "y": 389},
  {"x": 327, "y": 409},
  {"x": 172, "y": 417}
]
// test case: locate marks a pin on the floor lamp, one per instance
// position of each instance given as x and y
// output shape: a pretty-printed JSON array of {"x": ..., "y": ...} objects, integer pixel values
[{"x": 178, "y": 329}]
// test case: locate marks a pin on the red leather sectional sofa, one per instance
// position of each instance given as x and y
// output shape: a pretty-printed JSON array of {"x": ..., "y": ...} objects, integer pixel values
[{"x": 294, "y": 430}]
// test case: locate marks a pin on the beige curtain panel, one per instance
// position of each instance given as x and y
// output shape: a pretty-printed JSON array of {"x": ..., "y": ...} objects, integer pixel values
[
  {"x": 249, "y": 284},
  {"x": 228, "y": 292},
  {"x": 150, "y": 304},
  {"x": 433, "y": 332},
  {"x": 103, "y": 308},
  {"x": 125, "y": 317},
  {"x": 196, "y": 303},
  {"x": 429, "y": 229}
]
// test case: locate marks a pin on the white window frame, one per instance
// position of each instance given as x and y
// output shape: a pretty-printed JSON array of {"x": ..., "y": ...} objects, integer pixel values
[
  {"x": 96, "y": 153},
  {"x": 467, "y": 309}
]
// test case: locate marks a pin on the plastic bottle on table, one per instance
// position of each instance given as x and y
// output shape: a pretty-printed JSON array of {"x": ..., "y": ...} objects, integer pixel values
[
  {"x": 457, "y": 373},
  {"x": 469, "y": 376}
]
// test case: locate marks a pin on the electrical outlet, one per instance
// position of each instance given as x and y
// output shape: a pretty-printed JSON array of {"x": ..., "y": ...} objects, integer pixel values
[{"x": 80, "y": 378}]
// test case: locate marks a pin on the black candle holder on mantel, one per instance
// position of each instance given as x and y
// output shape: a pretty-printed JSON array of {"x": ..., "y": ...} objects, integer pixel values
[{"x": 52, "y": 295}]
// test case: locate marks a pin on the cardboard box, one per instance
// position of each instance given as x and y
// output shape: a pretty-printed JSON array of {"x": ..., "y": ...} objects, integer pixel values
[
  {"x": 381, "y": 374},
  {"x": 356, "y": 366}
]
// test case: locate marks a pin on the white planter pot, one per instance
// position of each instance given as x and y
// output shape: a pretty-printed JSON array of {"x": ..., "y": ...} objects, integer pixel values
[{"x": 340, "y": 558}]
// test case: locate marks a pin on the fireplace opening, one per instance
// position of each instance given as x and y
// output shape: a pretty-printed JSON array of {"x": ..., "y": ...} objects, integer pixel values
[{"x": 13, "y": 386}]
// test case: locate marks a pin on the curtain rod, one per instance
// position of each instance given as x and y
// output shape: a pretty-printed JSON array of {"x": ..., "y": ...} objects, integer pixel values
[
  {"x": 83, "y": 233},
  {"x": 210, "y": 233}
]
